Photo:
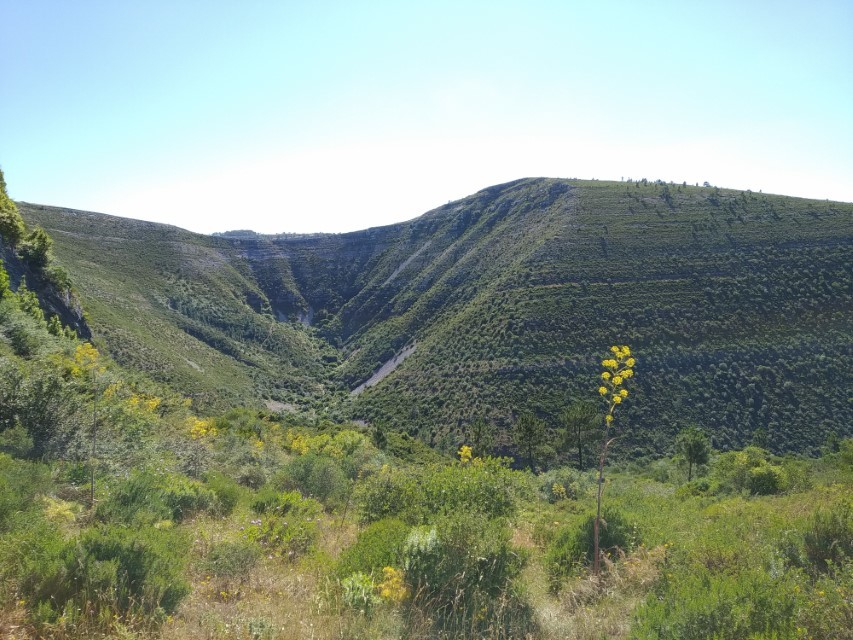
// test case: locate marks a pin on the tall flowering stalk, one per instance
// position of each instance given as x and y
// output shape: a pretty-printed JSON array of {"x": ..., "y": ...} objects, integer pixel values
[{"x": 617, "y": 370}]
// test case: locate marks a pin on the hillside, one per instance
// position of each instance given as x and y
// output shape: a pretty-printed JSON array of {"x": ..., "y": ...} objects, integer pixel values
[{"x": 737, "y": 304}]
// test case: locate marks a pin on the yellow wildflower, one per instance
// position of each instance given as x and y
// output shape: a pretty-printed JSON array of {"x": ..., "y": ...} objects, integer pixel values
[
  {"x": 623, "y": 393},
  {"x": 606, "y": 375},
  {"x": 617, "y": 380},
  {"x": 392, "y": 587},
  {"x": 617, "y": 399},
  {"x": 465, "y": 454},
  {"x": 608, "y": 419},
  {"x": 602, "y": 390},
  {"x": 630, "y": 362}
]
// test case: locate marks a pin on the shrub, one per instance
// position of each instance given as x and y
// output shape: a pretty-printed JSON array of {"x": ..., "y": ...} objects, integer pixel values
[
  {"x": 696, "y": 604},
  {"x": 378, "y": 546},
  {"x": 560, "y": 484},
  {"x": 288, "y": 525},
  {"x": 317, "y": 476},
  {"x": 829, "y": 540},
  {"x": 461, "y": 571},
  {"x": 572, "y": 547},
  {"x": 145, "y": 498},
  {"x": 231, "y": 559},
  {"x": 766, "y": 479},
  {"x": 485, "y": 487},
  {"x": 358, "y": 592},
  {"x": 110, "y": 571},
  {"x": 227, "y": 491}
]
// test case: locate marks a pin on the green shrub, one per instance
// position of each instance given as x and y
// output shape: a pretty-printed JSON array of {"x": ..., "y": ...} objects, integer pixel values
[
  {"x": 828, "y": 542},
  {"x": 288, "y": 525},
  {"x": 486, "y": 488},
  {"x": 146, "y": 497},
  {"x": 20, "y": 483},
  {"x": 227, "y": 491},
  {"x": 317, "y": 476},
  {"x": 766, "y": 479},
  {"x": 573, "y": 546},
  {"x": 696, "y": 604},
  {"x": 461, "y": 571},
  {"x": 358, "y": 592},
  {"x": 560, "y": 484},
  {"x": 379, "y": 545},
  {"x": 110, "y": 571},
  {"x": 231, "y": 559}
]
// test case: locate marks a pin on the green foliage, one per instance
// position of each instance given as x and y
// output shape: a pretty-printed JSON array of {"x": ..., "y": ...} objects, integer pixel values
[
  {"x": 528, "y": 435},
  {"x": 485, "y": 487},
  {"x": 828, "y": 542},
  {"x": 146, "y": 498},
  {"x": 231, "y": 559},
  {"x": 4, "y": 281},
  {"x": 700, "y": 604},
  {"x": 227, "y": 491},
  {"x": 111, "y": 570},
  {"x": 35, "y": 249},
  {"x": 378, "y": 545},
  {"x": 20, "y": 483},
  {"x": 316, "y": 476},
  {"x": 359, "y": 592},
  {"x": 749, "y": 470},
  {"x": 460, "y": 567},
  {"x": 288, "y": 523},
  {"x": 562, "y": 483},
  {"x": 695, "y": 446},
  {"x": 11, "y": 224},
  {"x": 581, "y": 426},
  {"x": 572, "y": 547}
]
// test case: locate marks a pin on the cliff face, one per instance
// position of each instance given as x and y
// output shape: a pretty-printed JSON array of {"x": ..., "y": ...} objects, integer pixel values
[
  {"x": 512, "y": 295},
  {"x": 63, "y": 303}
]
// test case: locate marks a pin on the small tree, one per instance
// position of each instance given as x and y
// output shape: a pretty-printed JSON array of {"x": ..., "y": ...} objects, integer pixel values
[
  {"x": 694, "y": 445},
  {"x": 529, "y": 434},
  {"x": 481, "y": 436},
  {"x": 35, "y": 250},
  {"x": 11, "y": 224},
  {"x": 579, "y": 421},
  {"x": 616, "y": 372}
]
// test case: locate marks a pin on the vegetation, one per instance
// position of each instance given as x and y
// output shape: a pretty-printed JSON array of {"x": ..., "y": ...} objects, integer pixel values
[{"x": 214, "y": 516}]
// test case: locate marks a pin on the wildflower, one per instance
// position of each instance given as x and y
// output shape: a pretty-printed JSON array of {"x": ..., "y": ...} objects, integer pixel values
[
  {"x": 608, "y": 419},
  {"x": 623, "y": 393},
  {"x": 617, "y": 380},
  {"x": 465, "y": 454},
  {"x": 392, "y": 587},
  {"x": 617, "y": 399},
  {"x": 606, "y": 375},
  {"x": 630, "y": 362},
  {"x": 602, "y": 390}
]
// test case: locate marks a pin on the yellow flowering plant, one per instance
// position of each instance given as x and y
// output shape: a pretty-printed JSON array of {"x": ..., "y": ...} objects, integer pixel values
[{"x": 617, "y": 371}]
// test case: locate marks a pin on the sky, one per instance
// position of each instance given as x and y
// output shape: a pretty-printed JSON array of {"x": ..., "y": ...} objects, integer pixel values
[{"x": 330, "y": 116}]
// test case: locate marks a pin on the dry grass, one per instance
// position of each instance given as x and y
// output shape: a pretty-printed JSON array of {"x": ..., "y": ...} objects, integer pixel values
[{"x": 589, "y": 608}]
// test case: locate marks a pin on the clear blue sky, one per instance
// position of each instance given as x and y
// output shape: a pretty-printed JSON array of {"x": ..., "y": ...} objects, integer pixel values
[{"x": 333, "y": 116}]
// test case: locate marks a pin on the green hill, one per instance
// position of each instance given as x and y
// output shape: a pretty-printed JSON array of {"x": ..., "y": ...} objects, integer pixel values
[{"x": 737, "y": 305}]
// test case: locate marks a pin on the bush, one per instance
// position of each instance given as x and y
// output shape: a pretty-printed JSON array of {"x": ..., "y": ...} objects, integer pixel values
[
  {"x": 573, "y": 546},
  {"x": 379, "y": 545},
  {"x": 766, "y": 479},
  {"x": 110, "y": 572},
  {"x": 560, "y": 484},
  {"x": 697, "y": 604},
  {"x": 228, "y": 492},
  {"x": 485, "y": 487},
  {"x": 145, "y": 498},
  {"x": 231, "y": 559},
  {"x": 317, "y": 476},
  {"x": 358, "y": 592},
  {"x": 288, "y": 525},
  {"x": 460, "y": 572},
  {"x": 828, "y": 543}
]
